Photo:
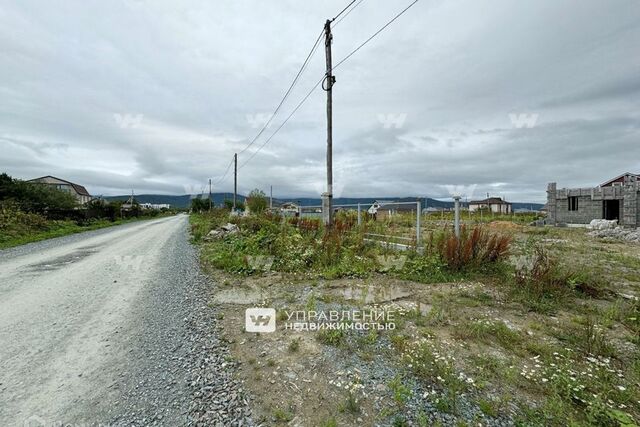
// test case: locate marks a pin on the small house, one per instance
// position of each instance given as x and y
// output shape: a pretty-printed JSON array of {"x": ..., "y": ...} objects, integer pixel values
[
  {"x": 78, "y": 191},
  {"x": 492, "y": 204}
]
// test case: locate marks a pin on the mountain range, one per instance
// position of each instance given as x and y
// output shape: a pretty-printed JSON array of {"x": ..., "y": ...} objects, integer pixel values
[{"x": 218, "y": 199}]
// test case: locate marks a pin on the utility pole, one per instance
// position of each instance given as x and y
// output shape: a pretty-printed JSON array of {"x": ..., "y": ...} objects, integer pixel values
[
  {"x": 271, "y": 197},
  {"x": 209, "y": 193},
  {"x": 456, "y": 220},
  {"x": 235, "y": 180},
  {"x": 329, "y": 80}
]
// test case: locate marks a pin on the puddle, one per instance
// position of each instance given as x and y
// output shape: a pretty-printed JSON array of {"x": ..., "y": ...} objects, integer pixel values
[
  {"x": 372, "y": 294},
  {"x": 238, "y": 296},
  {"x": 60, "y": 262}
]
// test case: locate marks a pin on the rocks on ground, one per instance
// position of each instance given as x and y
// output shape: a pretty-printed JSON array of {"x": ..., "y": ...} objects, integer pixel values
[
  {"x": 618, "y": 233},
  {"x": 222, "y": 231}
]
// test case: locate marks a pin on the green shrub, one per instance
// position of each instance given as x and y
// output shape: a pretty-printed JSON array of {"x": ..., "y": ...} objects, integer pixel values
[{"x": 333, "y": 337}]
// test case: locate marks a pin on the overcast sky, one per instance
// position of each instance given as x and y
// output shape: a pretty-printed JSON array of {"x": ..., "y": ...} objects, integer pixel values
[{"x": 471, "y": 96}]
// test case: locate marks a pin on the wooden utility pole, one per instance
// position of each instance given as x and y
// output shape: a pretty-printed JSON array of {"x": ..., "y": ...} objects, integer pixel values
[
  {"x": 235, "y": 180},
  {"x": 327, "y": 210},
  {"x": 209, "y": 193}
]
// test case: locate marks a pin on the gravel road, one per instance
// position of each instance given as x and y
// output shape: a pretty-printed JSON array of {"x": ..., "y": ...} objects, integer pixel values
[{"x": 111, "y": 327}]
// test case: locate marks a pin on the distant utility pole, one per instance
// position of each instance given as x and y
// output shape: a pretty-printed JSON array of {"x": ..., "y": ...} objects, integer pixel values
[
  {"x": 456, "y": 221},
  {"x": 209, "y": 193},
  {"x": 271, "y": 197},
  {"x": 235, "y": 180},
  {"x": 327, "y": 210}
]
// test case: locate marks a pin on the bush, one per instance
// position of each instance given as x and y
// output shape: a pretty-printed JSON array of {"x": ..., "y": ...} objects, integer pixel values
[
  {"x": 33, "y": 197},
  {"x": 15, "y": 223},
  {"x": 199, "y": 204},
  {"x": 257, "y": 201},
  {"x": 472, "y": 249}
]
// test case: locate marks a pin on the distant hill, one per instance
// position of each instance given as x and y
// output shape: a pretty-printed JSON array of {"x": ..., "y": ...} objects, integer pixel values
[
  {"x": 218, "y": 199},
  {"x": 183, "y": 201},
  {"x": 427, "y": 202}
]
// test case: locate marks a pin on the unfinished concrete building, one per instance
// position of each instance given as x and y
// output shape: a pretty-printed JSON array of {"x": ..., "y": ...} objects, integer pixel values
[{"x": 615, "y": 199}]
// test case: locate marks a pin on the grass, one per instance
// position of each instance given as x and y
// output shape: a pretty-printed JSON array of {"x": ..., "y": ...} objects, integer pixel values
[
  {"x": 401, "y": 393},
  {"x": 488, "y": 332},
  {"x": 282, "y": 416},
  {"x": 305, "y": 247},
  {"x": 54, "y": 229},
  {"x": 294, "y": 345},
  {"x": 334, "y": 337},
  {"x": 350, "y": 405},
  {"x": 543, "y": 336}
]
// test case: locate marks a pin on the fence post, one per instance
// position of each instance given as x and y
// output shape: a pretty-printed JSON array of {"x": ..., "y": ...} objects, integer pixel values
[
  {"x": 418, "y": 213},
  {"x": 457, "y": 216},
  {"x": 359, "y": 215}
]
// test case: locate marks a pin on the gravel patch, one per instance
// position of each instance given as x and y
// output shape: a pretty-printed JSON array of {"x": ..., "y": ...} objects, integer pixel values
[{"x": 176, "y": 371}]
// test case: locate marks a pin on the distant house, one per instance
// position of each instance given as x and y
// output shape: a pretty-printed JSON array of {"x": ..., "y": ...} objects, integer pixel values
[
  {"x": 431, "y": 209},
  {"x": 157, "y": 206},
  {"x": 290, "y": 209},
  {"x": 78, "y": 191},
  {"x": 492, "y": 204}
]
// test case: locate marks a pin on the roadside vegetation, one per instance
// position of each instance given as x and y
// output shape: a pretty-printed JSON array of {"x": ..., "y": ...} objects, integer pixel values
[
  {"x": 508, "y": 325},
  {"x": 32, "y": 212}
]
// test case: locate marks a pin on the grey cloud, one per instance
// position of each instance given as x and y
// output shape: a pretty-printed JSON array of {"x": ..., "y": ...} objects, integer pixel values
[{"x": 195, "y": 70}]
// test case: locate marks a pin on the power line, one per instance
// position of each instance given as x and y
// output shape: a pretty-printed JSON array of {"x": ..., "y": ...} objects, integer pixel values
[
  {"x": 347, "y": 14},
  {"x": 225, "y": 173},
  {"x": 286, "y": 95},
  {"x": 323, "y": 77},
  {"x": 374, "y": 34},
  {"x": 294, "y": 82},
  {"x": 342, "y": 11},
  {"x": 283, "y": 123}
]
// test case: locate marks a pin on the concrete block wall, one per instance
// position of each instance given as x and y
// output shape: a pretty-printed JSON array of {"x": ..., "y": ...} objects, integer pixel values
[
  {"x": 551, "y": 203},
  {"x": 587, "y": 210},
  {"x": 590, "y": 202},
  {"x": 630, "y": 213}
]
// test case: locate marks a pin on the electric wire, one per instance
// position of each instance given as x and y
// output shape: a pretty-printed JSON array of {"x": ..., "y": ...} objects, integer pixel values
[{"x": 325, "y": 76}]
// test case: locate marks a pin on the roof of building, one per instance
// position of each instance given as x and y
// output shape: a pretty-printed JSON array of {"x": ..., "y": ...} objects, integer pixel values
[
  {"x": 489, "y": 201},
  {"x": 77, "y": 187},
  {"x": 604, "y": 184}
]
